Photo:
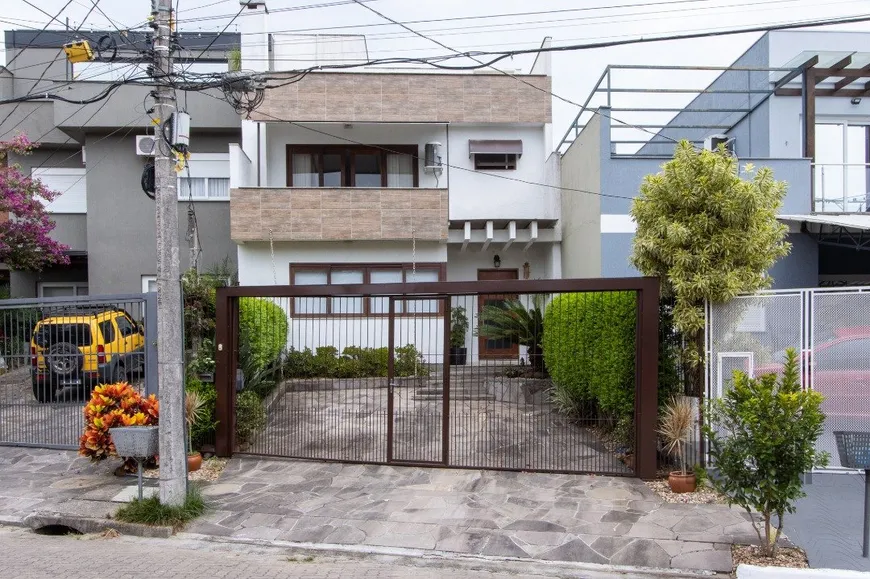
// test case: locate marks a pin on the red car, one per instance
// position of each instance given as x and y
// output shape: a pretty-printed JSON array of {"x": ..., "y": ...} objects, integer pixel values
[{"x": 840, "y": 371}]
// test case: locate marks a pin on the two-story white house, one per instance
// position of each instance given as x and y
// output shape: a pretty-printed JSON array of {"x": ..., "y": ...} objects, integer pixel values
[{"x": 386, "y": 176}]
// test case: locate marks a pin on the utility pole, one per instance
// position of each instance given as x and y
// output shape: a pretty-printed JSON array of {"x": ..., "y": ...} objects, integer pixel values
[{"x": 170, "y": 373}]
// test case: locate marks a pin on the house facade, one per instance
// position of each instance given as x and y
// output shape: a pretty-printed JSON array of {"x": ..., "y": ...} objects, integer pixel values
[
  {"x": 93, "y": 156},
  {"x": 796, "y": 101},
  {"x": 388, "y": 176}
]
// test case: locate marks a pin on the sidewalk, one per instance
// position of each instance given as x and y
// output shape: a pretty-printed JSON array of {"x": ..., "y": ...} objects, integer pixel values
[{"x": 589, "y": 519}]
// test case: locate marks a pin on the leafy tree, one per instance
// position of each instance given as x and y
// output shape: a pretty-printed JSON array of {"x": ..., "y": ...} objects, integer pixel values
[
  {"x": 763, "y": 435},
  {"x": 24, "y": 236},
  {"x": 707, "y": 233}
]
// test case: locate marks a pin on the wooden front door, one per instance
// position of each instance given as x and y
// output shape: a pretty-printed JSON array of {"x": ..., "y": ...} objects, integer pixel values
[{"x": 496, "y": 349}]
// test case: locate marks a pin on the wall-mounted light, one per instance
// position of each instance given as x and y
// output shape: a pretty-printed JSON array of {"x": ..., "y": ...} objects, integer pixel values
[
  {"x": 496, "y": 262},
  {"x": 856, "y": 101},
  {"x": 527, "y": 270}
]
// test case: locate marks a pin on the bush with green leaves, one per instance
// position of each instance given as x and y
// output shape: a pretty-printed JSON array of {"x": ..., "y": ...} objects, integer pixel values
[
  {"x": 263, "y": 328},
  {"x": 763, "y": 435},
  {"x": 203, "y": 431},
  {"x": 518, "y": 324},
  {"x": 589, "y": 350},
  {"x": 354, "y": 362},
  {"x": 250, "y": 416}
]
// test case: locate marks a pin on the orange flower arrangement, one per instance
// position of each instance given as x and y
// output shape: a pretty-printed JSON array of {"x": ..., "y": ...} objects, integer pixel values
[{"x": 113, "y": 405}]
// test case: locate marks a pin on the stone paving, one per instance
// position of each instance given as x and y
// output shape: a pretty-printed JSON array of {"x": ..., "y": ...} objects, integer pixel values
[
  {"x": 590, "y": 519},
  {"x": 494, "y": 422},
  {"x": 30, "y": 556}
]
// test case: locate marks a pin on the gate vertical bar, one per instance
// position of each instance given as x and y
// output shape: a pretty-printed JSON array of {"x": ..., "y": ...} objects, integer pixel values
[
  {"x": 391, "y": 370},
  {"x": 226, "y": 323},
  {"x": 150, "y": 343},
  {"x": 445, "y": 410},
  {"x": 646, "y": 381}
]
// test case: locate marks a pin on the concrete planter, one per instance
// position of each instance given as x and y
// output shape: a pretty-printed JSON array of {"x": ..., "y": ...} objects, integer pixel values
[{"x": 135, "y": 441}]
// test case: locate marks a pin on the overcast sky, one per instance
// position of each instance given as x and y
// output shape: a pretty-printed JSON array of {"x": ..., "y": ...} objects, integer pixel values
[{"x": 580, "y": 21}]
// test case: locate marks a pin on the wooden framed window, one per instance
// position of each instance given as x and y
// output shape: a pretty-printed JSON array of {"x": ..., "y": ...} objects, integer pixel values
[
  {"x": 355, "y": 274},
  {"x": 352, "y": 166}
]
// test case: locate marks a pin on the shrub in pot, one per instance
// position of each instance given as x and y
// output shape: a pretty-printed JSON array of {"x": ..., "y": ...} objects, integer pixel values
[
  {"x": 114, "y": 405},
  {"x": 458, "y": 329},
  {"x": 678, "y": 418}
]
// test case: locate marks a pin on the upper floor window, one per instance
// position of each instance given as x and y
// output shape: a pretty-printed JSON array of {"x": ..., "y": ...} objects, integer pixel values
[
  {"x": 206, "y": 178},
  {"x": 495, "y": 155},
  {"x": 352, "y": 166}
]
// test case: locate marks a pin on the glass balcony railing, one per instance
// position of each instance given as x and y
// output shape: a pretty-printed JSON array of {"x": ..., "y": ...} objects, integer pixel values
[{"x": 841, "y": 187}]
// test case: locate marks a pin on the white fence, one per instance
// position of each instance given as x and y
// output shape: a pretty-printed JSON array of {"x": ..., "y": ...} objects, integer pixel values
[{"x": 829, "y": 328}]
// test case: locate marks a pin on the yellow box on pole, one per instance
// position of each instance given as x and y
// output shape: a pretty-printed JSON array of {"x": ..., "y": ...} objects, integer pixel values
[{"x": 78, "y": 51}]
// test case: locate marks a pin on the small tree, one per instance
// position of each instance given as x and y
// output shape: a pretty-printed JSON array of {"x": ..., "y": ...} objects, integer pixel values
[
  {"x": 709, "y": 234},
  {"x": 24, "y": 237},
  {"x": 763, "y": 435}
]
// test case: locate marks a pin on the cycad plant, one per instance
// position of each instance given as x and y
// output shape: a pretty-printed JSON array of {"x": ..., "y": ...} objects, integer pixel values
[{"x": 512, "y": 321}]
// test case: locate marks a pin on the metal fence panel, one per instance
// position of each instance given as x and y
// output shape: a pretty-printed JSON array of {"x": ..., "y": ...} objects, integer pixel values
[
  {"x": 371, "y": 376},
  {"x": 53, "y": 351},
  {"x": 830, "y": 328}
]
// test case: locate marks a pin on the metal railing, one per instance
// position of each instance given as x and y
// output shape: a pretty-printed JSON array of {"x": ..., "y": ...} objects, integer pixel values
[
  {"x": 828, "y": 327},
  {"x": 441, "y": 374},
  {"x": 53, "y": 351},
  {"x": 840, "y": 187}
]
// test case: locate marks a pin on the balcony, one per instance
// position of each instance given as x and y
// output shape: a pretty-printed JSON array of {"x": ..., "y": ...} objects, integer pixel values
[
  {"x": 840, "y": 187},
  {"x": 337, "y": 214}
]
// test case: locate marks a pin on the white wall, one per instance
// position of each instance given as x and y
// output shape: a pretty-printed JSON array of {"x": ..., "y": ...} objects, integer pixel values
[
  {"x": 255, "y": 260},
  {"x": 488, "y": 195},
  {"x": 785, "y": 112},
  {"x": 279, "y": 135},
  {"x": 463, "y": 265}
]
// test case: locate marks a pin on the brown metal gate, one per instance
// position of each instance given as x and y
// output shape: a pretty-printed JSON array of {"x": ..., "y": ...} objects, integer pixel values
[{"x": 369, "y": 373}]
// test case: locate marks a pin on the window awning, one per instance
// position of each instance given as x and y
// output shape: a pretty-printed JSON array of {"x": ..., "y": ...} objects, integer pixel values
[{"x": 495, "y": 147}]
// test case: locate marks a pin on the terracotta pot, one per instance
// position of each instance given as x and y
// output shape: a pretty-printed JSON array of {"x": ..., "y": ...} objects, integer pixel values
[
  {"x": 682, "y": 483},
  {"x": 194, "y": 461}
]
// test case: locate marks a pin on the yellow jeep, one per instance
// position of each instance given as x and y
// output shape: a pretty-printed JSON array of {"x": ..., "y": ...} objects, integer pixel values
[{"x": 81, "y": 349}]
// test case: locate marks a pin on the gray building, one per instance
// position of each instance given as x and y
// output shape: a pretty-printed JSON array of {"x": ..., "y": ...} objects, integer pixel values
[
  {"x": 95, "y": 154},
  {"x": 796, "y": 101}
]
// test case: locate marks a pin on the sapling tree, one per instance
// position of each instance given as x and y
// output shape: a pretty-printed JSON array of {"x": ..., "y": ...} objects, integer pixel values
[
  {"x": 763, "y": 435},
  {"x": 25, "y": 227}
]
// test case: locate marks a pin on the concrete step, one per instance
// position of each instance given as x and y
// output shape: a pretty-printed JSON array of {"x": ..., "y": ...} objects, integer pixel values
[{"x": 455, "y": 394}]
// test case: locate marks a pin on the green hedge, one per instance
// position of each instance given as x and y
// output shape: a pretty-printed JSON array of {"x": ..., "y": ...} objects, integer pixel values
[
  {"x": 354, "y": 362},
  {"x": 589, "y": 350},
  {"x": 263, "y": 327}
]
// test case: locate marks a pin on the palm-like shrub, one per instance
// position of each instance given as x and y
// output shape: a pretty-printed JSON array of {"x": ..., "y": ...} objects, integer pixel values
[{"x": 521, "y": 326}]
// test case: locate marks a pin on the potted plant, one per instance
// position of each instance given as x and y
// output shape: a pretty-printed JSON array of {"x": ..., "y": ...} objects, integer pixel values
[
  {"x": 677, "y": 421},
  {"x": 194, "y": 411},
  {"x": 458, "y": 329}
]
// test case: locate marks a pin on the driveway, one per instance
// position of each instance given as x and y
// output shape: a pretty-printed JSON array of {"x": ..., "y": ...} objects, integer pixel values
[
  {"x": 23, "y": 420},
  {"x": 829, "y": 521}
]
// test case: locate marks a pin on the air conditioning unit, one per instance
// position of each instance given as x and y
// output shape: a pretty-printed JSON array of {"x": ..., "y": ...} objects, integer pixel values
[
  {"x": 146, "y": 145},
  {"x": 432, "y": 158},
  {"x": 712, "y": 143}
]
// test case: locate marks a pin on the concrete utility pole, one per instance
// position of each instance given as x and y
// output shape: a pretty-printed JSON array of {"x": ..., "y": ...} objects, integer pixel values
[{"x": 170, "y": 374}]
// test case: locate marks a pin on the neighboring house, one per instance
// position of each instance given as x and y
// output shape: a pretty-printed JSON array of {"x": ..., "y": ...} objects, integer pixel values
[
  {"x": 782, "y": 105},
  {"x": 380, "y": 176},
  {"x": 90, "y": 155}
]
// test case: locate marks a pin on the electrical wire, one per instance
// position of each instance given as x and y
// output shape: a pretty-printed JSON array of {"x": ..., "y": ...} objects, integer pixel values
[{"x": 45, "y": 70}]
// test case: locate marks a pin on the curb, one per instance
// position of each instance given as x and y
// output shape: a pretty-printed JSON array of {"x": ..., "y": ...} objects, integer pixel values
[
  {"x": 424, "y": 557},
  {"x": 86, "y": 525},
  {"x": 9, "y": 521}
]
